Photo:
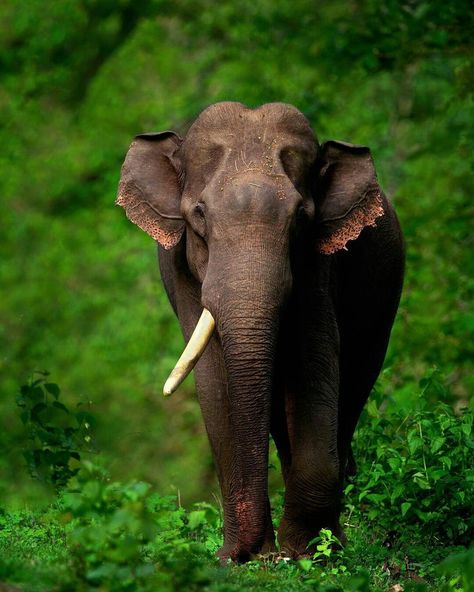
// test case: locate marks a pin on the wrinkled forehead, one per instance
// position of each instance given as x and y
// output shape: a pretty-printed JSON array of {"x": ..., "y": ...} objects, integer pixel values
[{"x": 235, "y": 124}]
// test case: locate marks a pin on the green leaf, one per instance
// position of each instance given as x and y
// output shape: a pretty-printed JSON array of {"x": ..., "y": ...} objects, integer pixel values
[
  {"x": 137, "y": 490},
  {"x": 34, "y": 394},
  {"x": 446, "y": 461},
  {"x": 59, "y": 405},
  {"x": 394, "y": 463},
  {"x": 436, "y": 443},
  {"x": 305, "y": 564},
  {"x": 405, "y": 507},
  {"x": 196, "y": 519},
  {"x": 37, "y": 409},
  {"x": 53, "y": 389},
  {"x": 421, "y": 481},
  {"x": 414, "y": 442},
  {"x": 398, "y": 491},
  {"x": 372, "y": 408}
]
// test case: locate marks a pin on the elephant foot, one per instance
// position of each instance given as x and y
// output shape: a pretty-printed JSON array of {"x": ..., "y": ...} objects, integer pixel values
[
  {"x": 269, "y": 545},
  {"x": 232, "y": 552},
  {"x": 294, "y": 537},
  {"x": 241, "y": 553},
  {"x": 236, "y": 552},
  {"x": 249, "y": 541},
  {"x": 268, "y": 548}
]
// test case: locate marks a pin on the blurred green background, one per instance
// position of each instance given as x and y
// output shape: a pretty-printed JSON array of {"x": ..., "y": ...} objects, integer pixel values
[{"x": 80, "y": 289}]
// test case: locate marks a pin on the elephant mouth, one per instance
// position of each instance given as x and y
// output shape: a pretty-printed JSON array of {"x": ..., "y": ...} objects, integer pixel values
[{"x": 192, "y": 352}]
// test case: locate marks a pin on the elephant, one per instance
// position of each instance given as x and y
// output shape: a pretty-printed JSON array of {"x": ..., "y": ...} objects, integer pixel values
[{"x": 283, "y": 261}]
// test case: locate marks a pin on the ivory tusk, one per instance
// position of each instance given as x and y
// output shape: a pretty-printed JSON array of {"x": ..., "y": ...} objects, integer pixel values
[{"x": 192, "y": 352}]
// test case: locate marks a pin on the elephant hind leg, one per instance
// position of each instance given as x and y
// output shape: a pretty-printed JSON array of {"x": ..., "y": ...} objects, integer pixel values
[{"x": 360, "y": 368}]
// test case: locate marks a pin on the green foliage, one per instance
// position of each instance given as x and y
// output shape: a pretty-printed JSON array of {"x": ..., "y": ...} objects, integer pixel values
[
  {"x": 328, "y": 555},
  {"x": 144, "y": 542},
  {"x": 113, "y": 536},
  {"x": 407, "y": 462},
  {"x": 186, "y": 542},
  {"x": 55, "y": 435},
  {"x": 32, "y": 549},
  {"x": 109, "y": 524},
  {"x": 121, "y": 536}
]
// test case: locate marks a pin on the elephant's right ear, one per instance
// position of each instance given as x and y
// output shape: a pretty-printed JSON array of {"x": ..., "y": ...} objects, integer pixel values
[{"x": 149, "y": 188}]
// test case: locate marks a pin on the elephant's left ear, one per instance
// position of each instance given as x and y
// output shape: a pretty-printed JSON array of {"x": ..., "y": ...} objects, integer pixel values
[{"x": 347, "y": 195}]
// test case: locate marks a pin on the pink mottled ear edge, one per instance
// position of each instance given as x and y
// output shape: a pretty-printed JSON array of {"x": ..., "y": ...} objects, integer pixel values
[
  {"x": 149, "y": 188},
  {"x": 348, "y": 197},
  {"x": 365, "y": 213}
]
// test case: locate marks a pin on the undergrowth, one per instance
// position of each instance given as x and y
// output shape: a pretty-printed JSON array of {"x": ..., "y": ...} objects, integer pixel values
[{"x": 408, "y": 515}]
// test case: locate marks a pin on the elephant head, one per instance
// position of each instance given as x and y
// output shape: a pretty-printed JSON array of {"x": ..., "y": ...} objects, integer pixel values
[
  {"x": 240, "y": 187},
  {"x": 240, "y": 194}
]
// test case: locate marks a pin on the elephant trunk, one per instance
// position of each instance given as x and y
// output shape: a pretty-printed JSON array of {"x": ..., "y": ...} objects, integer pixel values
[
  {"x": 249, "y": 352},
  {"x": 247, "y": 323}
]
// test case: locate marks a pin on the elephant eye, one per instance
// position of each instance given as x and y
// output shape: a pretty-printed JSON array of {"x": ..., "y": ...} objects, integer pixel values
[
  {"x": 200, "y": 209},
  {"x": 199, "y": 219},
  {"x": 301, "y": 215}
]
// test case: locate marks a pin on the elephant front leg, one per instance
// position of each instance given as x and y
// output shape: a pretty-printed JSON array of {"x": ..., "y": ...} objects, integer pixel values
[
  {"x": 312, "y": 499},
  {"x": 313, "y": 491}
]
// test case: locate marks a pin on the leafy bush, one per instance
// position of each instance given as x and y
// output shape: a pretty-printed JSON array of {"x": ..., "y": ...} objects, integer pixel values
[
  {"x": 328, "y": 554},
  {"x": 56, "y": 435},
  {"x": 120, "y": 536},
  {"x": 108, "y": 525},
  {"x": 186, "y": 542},
  {"x": 32, "y": 549},
  {"x": 417, "y": 470}
]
